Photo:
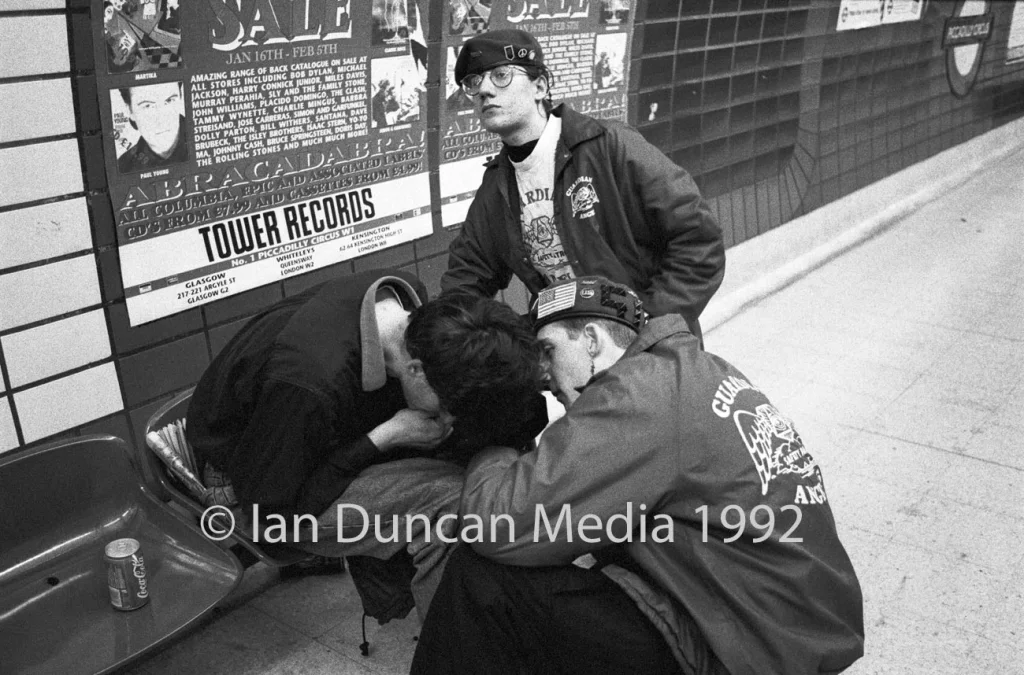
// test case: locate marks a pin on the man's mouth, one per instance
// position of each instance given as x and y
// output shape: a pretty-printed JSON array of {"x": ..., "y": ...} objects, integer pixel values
[{"x": 488, "y": 106}]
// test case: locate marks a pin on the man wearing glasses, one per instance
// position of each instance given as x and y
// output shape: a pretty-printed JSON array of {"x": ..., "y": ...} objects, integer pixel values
[{"x": 570, "y": 195}]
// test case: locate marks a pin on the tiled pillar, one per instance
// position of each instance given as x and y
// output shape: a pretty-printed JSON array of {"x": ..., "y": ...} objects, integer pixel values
[{"x": 55, "y": 350}]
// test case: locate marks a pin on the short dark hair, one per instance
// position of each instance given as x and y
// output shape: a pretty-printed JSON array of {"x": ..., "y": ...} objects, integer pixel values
[
  {"x": 481, "y": 358},
  {"x": 126, "y": 93},
  {"x": 534, "y": 72},
  {"x": 622, "y": 335}
]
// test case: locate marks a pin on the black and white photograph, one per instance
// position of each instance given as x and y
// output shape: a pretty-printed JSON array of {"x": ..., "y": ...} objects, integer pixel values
[
  {"x": 142, "y": 34},
  {"x": 390, "y": 22},
  {"x": 690, "y": 342},
  {"x": 609, "y": 55},
  {"x": 615, "y": 12},
  {"x": 468, "y": 17},
  {"x": 149, "y": 126},
  {"x": 397, "y": 91}
]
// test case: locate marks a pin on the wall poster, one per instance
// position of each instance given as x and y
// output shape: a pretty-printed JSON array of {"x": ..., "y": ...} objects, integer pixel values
[
  {"x": 586, "y": 45},
  {"x": 857, "y": 14},
  {"x": 252, "y": 140},
  {"x": 1015, "y": 40}
]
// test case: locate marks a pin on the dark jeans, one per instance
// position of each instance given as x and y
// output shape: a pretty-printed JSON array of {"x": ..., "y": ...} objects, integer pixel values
[{"x": 494, "y": 619}]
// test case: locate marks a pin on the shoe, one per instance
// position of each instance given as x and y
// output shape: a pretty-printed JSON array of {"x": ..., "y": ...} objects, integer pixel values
[{"x": 315, "y": 566}]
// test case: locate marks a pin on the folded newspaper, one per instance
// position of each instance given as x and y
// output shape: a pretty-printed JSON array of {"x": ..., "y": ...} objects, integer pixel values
[
  {"x": 170, "y": 446},
  {"x": 177, "y": 457}
]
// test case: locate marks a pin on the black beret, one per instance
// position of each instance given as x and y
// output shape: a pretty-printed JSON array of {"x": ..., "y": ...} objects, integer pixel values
[{"x": 497, "y": 48}]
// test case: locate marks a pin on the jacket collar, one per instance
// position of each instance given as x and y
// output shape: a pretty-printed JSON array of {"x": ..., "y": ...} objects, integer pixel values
[
  {"x": 372, "y": 349},
  {"x": 576, "y": 128},
  {"x": 655, "y": 331}
]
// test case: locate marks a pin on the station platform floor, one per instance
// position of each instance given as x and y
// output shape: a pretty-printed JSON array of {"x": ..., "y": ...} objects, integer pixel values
[{"x": 901, "y": 363}]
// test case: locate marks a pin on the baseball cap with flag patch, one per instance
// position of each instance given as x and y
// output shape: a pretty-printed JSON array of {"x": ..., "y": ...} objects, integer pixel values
[
  {"x": 496, "y": 48},
  {"x": 589, "y": 297}
]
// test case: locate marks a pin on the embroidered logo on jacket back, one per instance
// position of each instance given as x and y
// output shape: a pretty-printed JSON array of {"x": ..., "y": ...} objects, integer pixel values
[{"x": 777, "y": 449}]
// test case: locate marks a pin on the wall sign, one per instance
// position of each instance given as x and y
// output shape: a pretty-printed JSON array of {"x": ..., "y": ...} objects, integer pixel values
[
  {"x": 963, "y": 37},
  {"x": 1015, "y": 39},
  {"x": 858, "y": 14}
]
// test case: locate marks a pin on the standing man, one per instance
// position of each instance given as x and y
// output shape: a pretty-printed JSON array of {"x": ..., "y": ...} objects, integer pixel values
[
  {"x": 709, "y": 542},
  {"x": 571, "y": 195}
]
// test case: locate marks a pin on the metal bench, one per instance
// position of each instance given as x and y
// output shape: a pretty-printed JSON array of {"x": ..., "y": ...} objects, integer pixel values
[
  {"x": 166, "y": 487},
  {"x": 60, "y": 504}
]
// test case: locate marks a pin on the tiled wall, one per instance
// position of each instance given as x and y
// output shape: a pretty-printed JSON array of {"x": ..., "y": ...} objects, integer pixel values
[
  {"x": 56, "y": 355},
  {"x": 775, "y": 113},
  {"x": 772, "y": 110}
]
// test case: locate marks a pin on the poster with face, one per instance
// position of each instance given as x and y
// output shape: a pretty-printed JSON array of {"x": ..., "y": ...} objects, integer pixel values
[
  {"x": 250, "y": 141},
  {"x": 149, "y": 125}
]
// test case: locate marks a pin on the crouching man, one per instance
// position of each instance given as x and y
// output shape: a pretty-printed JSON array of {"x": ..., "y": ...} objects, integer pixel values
[
  {"x": 316, "y": 407},
  {"x": 699, "y": 525}
]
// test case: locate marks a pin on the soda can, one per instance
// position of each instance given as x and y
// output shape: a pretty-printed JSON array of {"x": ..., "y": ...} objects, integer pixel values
[{"x": 126, "y": 574}]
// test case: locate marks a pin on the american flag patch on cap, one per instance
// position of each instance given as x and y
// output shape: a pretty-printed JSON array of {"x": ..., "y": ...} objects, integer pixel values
[{"x": 556, "y": 299}]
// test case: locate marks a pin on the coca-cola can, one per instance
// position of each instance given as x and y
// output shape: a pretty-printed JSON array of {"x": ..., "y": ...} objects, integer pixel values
[{"x": 126, "y": 574}]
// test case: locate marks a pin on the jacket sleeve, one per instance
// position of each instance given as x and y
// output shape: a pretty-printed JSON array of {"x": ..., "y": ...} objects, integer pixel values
[
  {"x": 693, "y": 260},
  {"x": 292, "y": 459},
  {"x": 473, "y": 263},
  {"x": 609, "y": 460}
]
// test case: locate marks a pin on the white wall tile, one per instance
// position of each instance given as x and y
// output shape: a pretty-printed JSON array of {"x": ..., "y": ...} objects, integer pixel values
[
  {"x": 68, "y": 402},
  {"x": 33, "y": 4},
  {"x": 56, "y": 347},
  {"x": 30, "y": 172},
  {"x": 42, "y": 232},
  {"x": 33, "y": 45},
  {"x": 48, "y": 290},
  {"x": 34, "y": 109},
  {"x": 8, "y": 438}
]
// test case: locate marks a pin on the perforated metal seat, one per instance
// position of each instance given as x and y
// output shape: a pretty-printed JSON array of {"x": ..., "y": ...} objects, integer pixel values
[
  {"x": 60, "y": 505},
  {"x": 157, "y": 477}
]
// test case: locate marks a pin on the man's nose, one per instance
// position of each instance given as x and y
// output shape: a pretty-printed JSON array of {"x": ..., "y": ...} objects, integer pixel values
[{"x": 487, "y": 87}]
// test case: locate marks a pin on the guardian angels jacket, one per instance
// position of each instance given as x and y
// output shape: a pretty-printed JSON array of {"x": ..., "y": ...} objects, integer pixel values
[
  {"x": 661, "y": 455},
  {"x": 623, "y": 211}
]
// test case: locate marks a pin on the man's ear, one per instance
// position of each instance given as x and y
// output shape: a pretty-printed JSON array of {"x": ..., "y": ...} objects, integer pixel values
[
  {"x": 595, "y": 339},
  {"x": 541, "y": 86}
]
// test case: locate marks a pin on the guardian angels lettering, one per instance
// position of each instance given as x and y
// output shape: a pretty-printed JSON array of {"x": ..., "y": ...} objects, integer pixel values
[{"x": 773, "y": 443}]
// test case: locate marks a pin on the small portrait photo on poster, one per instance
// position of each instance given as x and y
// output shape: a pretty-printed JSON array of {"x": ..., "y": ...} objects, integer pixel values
[
  {"x": 142, "y": 34},
  {"x": 397, "y": 90},
  {"x": 609, "y": 55},
  {"x": 468, "y": 17},
  {"x": 390, "y": 22},
  {"x": 149, "y": 126},
  {"x": 614, "y": 12}
]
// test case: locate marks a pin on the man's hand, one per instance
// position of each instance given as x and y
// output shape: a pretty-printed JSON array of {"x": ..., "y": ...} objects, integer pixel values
[{"x": 410, "y": 428}]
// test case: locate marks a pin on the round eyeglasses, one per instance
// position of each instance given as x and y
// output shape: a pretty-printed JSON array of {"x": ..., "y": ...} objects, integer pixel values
[{"x": 501, "y": 76}]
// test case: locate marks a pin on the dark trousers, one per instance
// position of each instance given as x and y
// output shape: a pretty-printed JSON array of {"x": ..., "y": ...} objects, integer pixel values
[{"x": 494, "y": 619}]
